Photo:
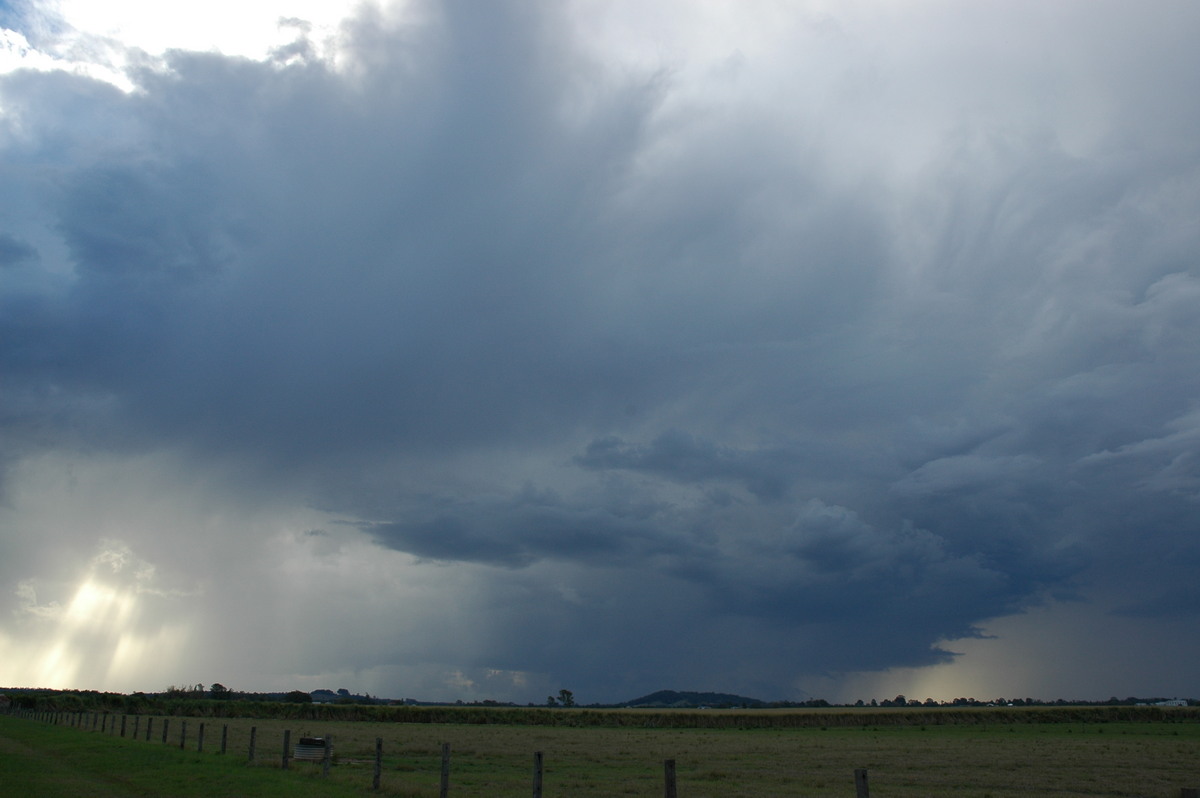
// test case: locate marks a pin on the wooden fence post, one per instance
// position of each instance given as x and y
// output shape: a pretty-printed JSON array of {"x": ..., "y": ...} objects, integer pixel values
[
  {"x": 166, "y": 723},
  {"x": 224, "y": 737},
  {"x": 328, "y": 755},
  {"x": 287, "y": 741},
  {"x": 137, "y": 721},
  {"x": 123, "y": 718},
  {"x": 182, "y": 734},
  {"x": 669, "y": 779},
  {"x": 378, "y": 763},
  {"x": 445, "y": 785},
  {"x": 537, "y": 774},
  {"x": 103, "y": 723},
  {"x": 149, "y": 726},
  {"x": 200, "y": 740},
  {"x": 861, "y": 788},
  {"x": 253, "y": 732}
]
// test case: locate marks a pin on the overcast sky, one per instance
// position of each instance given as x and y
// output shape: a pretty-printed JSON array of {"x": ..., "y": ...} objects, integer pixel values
[{"x": 478, "y": 350}]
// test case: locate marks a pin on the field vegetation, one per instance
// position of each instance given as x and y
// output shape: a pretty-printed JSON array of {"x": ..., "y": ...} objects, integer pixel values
[{"x": 998, "y": 752}]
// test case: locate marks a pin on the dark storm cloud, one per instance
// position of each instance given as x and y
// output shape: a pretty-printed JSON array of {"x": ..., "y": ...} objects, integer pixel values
[
  {"x": 822, "y": 400},
  {"x": 14, "y": 251},
  {"x": 532, "y": 526},
  {"x": 679, "y": 456},
  {"x": 135, "y": 225},
  {"x": 432, "y": 233},
  {"x": 825, "y": 591}
]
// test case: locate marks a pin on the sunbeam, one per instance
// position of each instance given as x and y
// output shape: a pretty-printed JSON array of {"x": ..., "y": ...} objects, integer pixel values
[{"x": 101, "y": 638}]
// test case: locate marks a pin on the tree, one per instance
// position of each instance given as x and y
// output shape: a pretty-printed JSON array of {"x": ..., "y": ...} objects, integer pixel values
[
  {"x": 219, "y": 691},
  {"x": 567, "y": 698},
  {"x": 551, "y": 701},
  {"x": 298, "y": 697}
]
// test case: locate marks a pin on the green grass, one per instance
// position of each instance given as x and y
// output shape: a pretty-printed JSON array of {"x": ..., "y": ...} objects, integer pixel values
[
  {"x": 45, "y": 761},
  {"x": 994, "y": 760}
]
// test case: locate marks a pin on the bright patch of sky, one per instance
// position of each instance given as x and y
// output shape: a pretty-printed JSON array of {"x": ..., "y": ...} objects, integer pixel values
[{"x": 103, "y": 40}]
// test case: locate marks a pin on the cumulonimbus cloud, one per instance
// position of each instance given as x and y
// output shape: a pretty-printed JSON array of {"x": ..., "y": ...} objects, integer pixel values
[{"x": 841, "y": 360}]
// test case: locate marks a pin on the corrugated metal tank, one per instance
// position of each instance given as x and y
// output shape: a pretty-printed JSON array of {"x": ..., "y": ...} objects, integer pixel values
[{"x": 311, "y": 749}]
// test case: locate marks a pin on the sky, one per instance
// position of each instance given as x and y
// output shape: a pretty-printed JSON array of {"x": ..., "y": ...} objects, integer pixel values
[{"x": 451, "y": 350}]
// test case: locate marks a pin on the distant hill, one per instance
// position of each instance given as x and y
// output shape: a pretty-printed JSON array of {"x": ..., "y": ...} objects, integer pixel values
[{"x": 675, "y": 698}]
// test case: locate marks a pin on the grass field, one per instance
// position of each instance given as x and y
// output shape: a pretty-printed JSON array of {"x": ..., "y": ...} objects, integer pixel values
[
  {"x": 38, "y": 760},
  {"x": 1001, "y": 759}
]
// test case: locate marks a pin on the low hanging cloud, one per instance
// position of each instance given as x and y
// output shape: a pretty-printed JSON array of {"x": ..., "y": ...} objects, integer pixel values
[
  {"x": 684, "y": 458},
  {"x": 776, "y": 359}
]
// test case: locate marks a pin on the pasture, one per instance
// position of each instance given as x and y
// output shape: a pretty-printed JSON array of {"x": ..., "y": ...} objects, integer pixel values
[{"x": 1005, "y": 757}]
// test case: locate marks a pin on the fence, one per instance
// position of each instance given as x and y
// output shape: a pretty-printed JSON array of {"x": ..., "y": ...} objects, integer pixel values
[{"x": 321, "y": 749}]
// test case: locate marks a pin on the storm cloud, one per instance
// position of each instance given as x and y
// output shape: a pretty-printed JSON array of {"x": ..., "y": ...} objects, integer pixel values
[{"x": 540, "y": 353}]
